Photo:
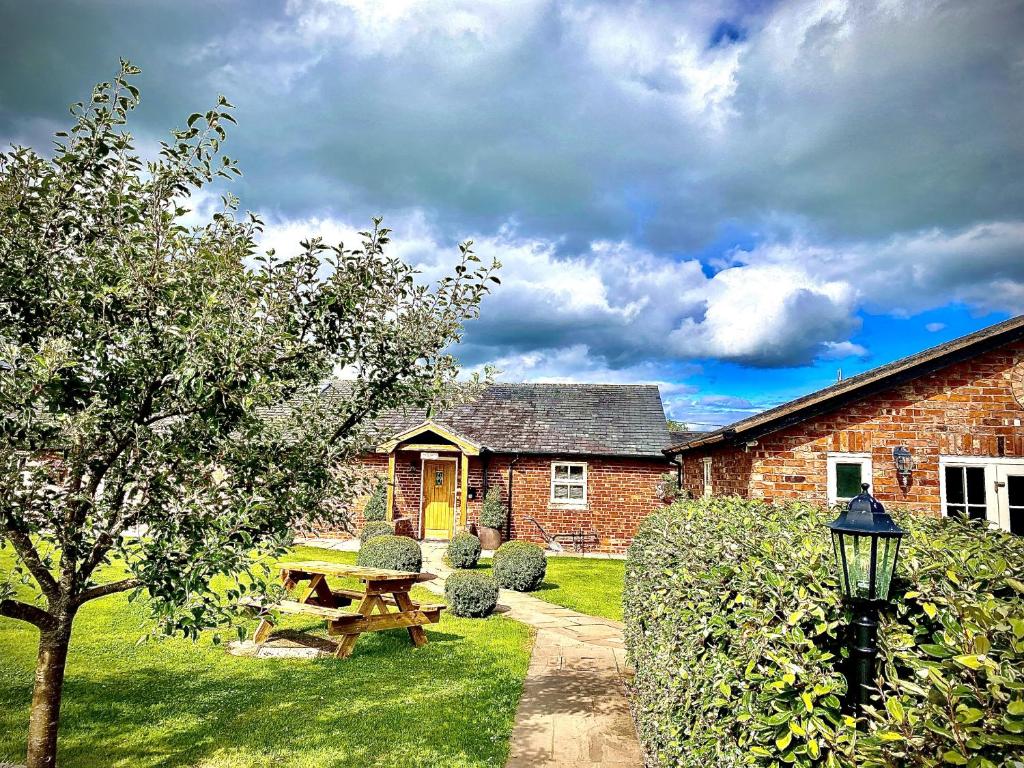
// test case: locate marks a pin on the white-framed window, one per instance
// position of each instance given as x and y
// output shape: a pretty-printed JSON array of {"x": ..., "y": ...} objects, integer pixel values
[
  {"x": 707, "y": 477},
  {"x": 569, "y": 483},
  {"x": 846, "y": 473},
  {"x": 984, "y": 488},
  {"x": 965, "y": 491}
]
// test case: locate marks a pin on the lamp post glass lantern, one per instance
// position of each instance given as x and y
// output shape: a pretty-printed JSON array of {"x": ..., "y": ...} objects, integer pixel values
[{"x": 866, "y": 541}]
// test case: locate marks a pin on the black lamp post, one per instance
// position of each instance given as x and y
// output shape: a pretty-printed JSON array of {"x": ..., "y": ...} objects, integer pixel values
[{"x": 867, "y": 543}]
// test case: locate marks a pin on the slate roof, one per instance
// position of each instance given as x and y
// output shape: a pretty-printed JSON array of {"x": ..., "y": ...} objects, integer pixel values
[
  {"x": 677, "y": 437},
  {"x": 860, "y": 386},
  {"x": 564, "y": 419}
]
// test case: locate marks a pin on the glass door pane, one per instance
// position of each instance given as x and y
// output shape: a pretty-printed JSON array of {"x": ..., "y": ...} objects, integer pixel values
[{"x": 1010, "y": 487}]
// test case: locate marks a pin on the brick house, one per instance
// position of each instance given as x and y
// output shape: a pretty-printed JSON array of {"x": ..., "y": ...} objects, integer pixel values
[
  {"x": 956, "y": 409},
  {"x": 583, "y": 459}
]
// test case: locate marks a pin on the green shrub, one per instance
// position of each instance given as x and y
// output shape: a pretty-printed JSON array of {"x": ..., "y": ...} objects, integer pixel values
[
  {"x": 493, "y": 514},
  {"x": 464, "y": 551},
  {"x": 377, "y": 505},
  {"x": 399, "y": 553},
  {"x": 375, "y": 528},
  {"x": 471, "y": 593},
  {"x": 519, "y": 565},
  {"x": 734, "y": 626}
]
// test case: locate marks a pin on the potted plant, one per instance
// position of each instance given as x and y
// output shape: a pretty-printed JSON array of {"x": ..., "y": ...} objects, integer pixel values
[{"x": 493, "y": 517}]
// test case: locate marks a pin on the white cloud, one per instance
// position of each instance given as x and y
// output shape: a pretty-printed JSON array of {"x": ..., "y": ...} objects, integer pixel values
[
  {"x": 768, "y": 315},
  {"x": 934, "y": 327}
]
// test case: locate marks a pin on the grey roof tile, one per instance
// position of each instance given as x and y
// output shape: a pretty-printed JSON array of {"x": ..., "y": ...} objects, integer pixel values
[{"x": 604, "y": 419}]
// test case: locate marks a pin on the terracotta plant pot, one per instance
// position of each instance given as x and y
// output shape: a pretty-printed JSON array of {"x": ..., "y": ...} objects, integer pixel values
[{"x": 490, "y": 538}]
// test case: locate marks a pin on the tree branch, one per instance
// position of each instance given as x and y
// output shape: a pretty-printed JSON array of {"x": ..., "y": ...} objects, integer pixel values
[
  {"x": 102, "y": 590},
  {"x": 27, "y": 552},
  {"x": 15, "y": 609}
]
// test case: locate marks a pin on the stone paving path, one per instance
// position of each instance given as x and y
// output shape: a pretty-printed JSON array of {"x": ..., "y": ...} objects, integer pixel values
[{"x": 573, "y": 712}]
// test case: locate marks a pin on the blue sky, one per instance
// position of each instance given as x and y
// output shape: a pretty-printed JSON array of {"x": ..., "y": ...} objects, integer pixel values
[{"x": 730, "y": 199}]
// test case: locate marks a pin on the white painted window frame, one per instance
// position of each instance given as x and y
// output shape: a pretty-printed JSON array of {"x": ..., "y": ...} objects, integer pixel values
[
  {"x": 706, "y": 461},
  {"x": 576, "y": 503},
  {"x": 846, "y": 457}
]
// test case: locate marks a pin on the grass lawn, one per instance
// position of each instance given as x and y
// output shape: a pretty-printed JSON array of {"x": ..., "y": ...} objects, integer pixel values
[
  {"x": 178, "y": 703},
  {"x": 585, "y": 584}
]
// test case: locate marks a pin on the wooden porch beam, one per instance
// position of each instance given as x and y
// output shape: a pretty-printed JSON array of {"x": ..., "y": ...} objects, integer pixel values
[
  {"x": 391, "y": 488},
  {"x": 464, "y": 490}
]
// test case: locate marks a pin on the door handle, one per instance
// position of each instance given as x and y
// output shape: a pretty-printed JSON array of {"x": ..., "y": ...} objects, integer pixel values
[{"x": 1000, "y": 484}]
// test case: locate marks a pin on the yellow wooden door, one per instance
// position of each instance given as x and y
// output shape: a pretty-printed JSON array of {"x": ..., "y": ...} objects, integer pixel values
[{"x": 438, "y": 499}]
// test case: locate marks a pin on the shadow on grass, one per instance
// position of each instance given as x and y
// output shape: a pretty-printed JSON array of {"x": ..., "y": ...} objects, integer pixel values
[
  {"x": 175, "y": 703},
  {"x": 547, "y": 586},
  {"x": 228, "y": 711}
]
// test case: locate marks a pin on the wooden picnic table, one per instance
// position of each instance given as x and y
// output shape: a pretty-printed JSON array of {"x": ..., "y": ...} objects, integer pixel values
[{"x": 384, "y": 591}]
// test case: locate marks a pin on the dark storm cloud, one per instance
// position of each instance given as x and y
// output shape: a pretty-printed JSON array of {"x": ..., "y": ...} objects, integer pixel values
[{"x": 870, "y": 150}]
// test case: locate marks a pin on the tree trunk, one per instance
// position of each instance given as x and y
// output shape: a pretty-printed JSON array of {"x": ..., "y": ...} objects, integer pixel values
[{"x": 45, "y": 716}]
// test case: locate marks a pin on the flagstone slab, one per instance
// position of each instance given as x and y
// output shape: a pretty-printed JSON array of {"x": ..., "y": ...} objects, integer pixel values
[{"x": 573, "y": 712}]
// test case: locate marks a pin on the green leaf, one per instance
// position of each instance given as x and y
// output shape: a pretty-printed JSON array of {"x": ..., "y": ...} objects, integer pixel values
[
  {"x": 1016, "y": 708},
  {"x": 969, "y": 661},
  {"x": 970, "y": 715},
  {"x": 895, "y": 708}
]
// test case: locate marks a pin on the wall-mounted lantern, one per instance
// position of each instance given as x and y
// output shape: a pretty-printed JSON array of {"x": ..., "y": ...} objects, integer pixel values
[
  {"x": 904, "y": 462},
  {"x": 866, "y": 541}
]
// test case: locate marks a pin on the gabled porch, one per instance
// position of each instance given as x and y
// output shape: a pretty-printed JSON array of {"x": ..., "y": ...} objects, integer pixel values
[{"x": 437, "y": 458}]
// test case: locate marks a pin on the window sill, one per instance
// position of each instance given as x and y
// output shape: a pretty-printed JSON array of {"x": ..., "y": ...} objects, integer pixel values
[{"x": 562, "y": 506}]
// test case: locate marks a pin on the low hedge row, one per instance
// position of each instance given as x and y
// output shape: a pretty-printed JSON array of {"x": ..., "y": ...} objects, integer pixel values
[
  {"x": 472, "y": 594},
  {"x": 735, "y": 627},
  {"x": 464, "y": 551},
  {"x": 396, "y": 553},
  {"x": 375, "y": 528},
  {"x": 519, "y": 565}
]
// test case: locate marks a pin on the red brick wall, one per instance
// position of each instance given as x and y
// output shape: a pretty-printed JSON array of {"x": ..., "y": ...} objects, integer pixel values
[
  {"x": 620, "y": 492},
  {"x": 965, "y": 409}
]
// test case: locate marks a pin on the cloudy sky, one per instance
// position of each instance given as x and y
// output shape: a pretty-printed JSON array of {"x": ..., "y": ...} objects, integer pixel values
[{"x": 730, "y": 199}]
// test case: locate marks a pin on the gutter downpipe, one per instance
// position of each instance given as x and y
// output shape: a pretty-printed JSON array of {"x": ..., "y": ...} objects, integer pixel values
[
  {"x": 508, "y": 522},
  {"x": 679, "y": 468},
  {"x": 484, "y": 454}
]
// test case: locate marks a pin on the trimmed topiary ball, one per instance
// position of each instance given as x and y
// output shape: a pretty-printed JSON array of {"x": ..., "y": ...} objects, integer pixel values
[
  {"x": 397, "y": 553},
  {"x": 520, "y": 565},
  {"x": 471, "y": 594},
  {"x": 464, "y": 551},
  {"x": 375, "y": 528},
  {"x": 377, "y": 506}
]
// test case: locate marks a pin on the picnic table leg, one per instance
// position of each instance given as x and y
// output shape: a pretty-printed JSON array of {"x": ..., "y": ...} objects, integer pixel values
[
  {"x": 404, "y": 603},
  {"x": 263, "y": 631},
  {"x": 318, "y": 586},
  {"x": 266, "y": 626},
  {"x": 347, "y": 643}
]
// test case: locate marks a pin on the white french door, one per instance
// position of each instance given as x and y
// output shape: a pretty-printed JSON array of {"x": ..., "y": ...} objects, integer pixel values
[
  {"x": 984, "y": 488},
  {"x": 1009, "y": 489}
]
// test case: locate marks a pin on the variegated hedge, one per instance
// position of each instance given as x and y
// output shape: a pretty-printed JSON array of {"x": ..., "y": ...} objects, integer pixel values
[{"x": 735, "y": 629}]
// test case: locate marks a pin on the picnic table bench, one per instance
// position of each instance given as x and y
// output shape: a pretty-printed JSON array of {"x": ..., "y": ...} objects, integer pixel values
[{"x": 382, "y": 603}]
